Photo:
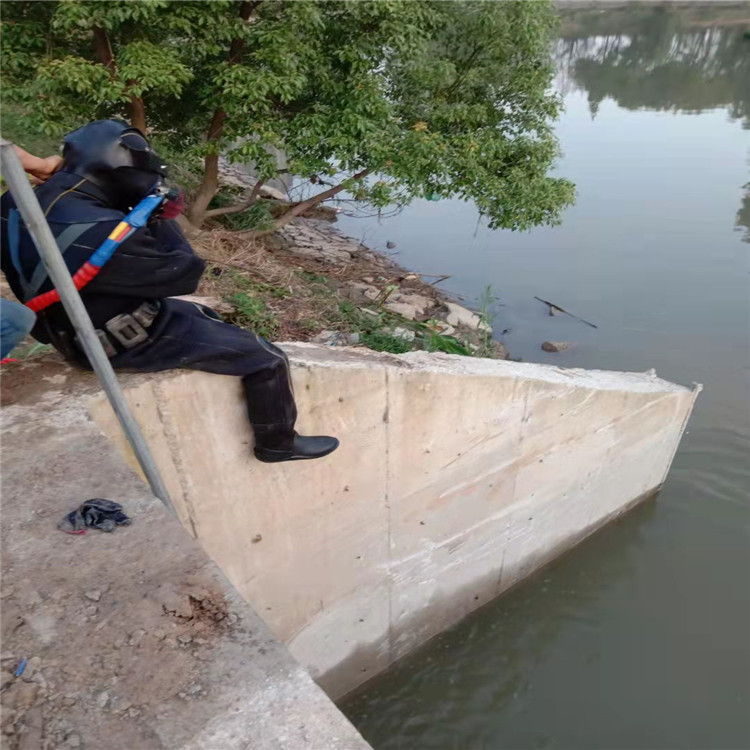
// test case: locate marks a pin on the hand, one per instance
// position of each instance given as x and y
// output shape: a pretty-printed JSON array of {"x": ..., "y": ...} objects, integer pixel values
[{"x": 43, "y": 169}]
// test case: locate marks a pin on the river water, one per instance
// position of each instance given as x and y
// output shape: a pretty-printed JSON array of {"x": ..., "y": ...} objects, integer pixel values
[{"x": 640, "y": 637}]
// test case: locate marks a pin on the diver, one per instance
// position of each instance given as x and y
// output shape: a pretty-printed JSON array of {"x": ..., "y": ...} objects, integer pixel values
[{"x": 107, "y": 169}]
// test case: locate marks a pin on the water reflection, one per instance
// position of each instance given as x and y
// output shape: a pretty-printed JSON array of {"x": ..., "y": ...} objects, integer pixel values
[{"x": 661, "y": 59}]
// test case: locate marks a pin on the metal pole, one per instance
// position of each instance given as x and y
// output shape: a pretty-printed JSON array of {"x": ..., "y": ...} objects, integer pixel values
[{"x": 33, "y": 218}]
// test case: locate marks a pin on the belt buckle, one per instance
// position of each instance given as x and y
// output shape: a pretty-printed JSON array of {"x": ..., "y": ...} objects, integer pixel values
[{"x": 127, "y": 330}]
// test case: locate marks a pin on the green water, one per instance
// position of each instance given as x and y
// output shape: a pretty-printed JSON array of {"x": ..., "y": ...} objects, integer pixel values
[{"x": 640, "y": 637}]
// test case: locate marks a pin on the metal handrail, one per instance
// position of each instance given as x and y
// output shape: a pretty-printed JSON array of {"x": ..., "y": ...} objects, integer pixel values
[{"x": 31, "y": 213}]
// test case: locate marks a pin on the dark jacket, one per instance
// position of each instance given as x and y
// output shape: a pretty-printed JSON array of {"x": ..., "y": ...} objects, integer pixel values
[{"x": 155, "y": 262}]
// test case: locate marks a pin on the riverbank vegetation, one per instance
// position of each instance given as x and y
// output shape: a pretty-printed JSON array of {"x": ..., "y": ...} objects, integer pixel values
[{"x": 385, "y": 100}]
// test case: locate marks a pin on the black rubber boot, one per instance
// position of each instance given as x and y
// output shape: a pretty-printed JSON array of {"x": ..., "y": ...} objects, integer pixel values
[
  {"x": 294, "y": 448},
  {"x": 272, "y": 412}
]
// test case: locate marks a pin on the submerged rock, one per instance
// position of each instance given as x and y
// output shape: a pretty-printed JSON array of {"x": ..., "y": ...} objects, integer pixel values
[{"x": 556, "y": 346}]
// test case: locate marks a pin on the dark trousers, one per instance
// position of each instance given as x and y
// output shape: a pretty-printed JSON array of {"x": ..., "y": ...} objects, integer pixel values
[{"x": 190, "y": 336}]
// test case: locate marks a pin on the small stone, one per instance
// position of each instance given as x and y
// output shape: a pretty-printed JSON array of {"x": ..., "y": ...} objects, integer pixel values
[
  {"x": 118, "y": 643},
  {"x": 103, "y": 700},
  {"x": 201, "y": 641},
  {"x": 133, "y": 712},
  {"x": 73, "y": 741},
  {"x": 184, "y": 639},
  {"x": 203, "y": 654},
  {"x": 92, "y": 610},
  {"x": 368, "y": 279},
  {"x": 555, "y": 346},
  {"x": 93, "y": 596},
  {"x": 70, "y": 700},
  {"x": 7, "y": 656},
  {"x": 120, "y": 705},
  {"x": 257, "y": 538},
  {"x": 32, "y": 667},
  {"x": 232, "y": 618},
  {"x": 136, "y": 637},
  {"x": 390, "y": 244},
  {"x": 195, "y": 689}
]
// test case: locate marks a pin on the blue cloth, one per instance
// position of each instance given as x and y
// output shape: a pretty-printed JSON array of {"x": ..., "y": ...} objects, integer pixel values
[{"x": 16, "y": 322}]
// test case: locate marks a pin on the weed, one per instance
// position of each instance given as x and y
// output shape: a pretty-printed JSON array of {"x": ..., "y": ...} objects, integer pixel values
[
  {"x": 252, "y": 312},
  {"x": 384, "y": 342},
  {"x": 314, "y": 278}
]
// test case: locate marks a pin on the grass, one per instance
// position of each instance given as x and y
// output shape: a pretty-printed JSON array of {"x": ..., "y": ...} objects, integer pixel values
[{"x": 253, "y": 313}]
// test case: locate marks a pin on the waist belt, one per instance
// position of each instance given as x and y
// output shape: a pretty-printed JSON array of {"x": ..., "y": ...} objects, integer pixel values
[{"x": 129, "y": 329}]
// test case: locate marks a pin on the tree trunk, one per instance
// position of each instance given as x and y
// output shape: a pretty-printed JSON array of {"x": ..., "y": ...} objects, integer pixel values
[
  {"x": 302, "y": 206},
  {"x": 137, "y": 113},
  {"x": 210, "y": 182},
  {"x": 104, "y": 50}
]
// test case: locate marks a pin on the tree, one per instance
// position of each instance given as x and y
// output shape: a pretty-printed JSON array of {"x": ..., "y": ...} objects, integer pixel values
[{"x": 385, "y": 99}]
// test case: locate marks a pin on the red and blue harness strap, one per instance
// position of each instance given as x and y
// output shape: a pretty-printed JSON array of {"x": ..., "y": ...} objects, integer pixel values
[{"x": 136, "y": 219}]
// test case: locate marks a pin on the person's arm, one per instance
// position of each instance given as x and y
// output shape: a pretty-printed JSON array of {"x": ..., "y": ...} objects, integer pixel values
[
  {"x": 156, "y": 261},
  {"x": 39, "y": 169}
]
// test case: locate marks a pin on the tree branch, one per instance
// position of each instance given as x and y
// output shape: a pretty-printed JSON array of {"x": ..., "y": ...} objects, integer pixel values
[
  {"x": 238, "y": 207},
  {"x": 302, "y": 206}
]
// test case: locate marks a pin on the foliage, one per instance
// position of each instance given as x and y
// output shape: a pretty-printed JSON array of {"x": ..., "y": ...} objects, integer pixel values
[
  {"x": 381, "y": 341},
  {"x": 441, "y": 99},
  {"x": 253, "y": 313}
]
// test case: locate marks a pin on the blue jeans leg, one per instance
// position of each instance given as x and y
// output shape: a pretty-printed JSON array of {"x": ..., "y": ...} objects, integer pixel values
[{"x": 16, "y": 321}]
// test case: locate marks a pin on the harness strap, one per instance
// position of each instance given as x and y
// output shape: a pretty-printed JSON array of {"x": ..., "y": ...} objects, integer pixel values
[
  {"x": 39, "y": 275},
  {"x": 65, "y": 239}
]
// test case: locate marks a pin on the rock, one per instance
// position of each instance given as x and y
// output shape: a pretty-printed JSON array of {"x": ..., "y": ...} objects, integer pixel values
[
  {"x": 390, "y": 244},
  {"x": 460, "y": 316},
  {"x": 403, "y": 309},
  {"x": 368, "y": 279},
  {"x": 93, "y": 596},
  {"x": 184, "y": 639},
  {"x": 324, "y": 337},
  {"x": 420, "y": 301},
  {"x": 366, "y": 290},
  {"x": 136, "y": 637},
  {"x": 369, "y": 313},
  {"x": 203, "y": 654},
  {"x": 103, "y": 700},
  {"x": 195, "y": 689},
  {"x": 120, "y": 705},
  {"x": 70, "y": 700},
  {"x": 73, "y": 740},
  {"x": 133, "y": 712},
  {"x": 352, "y": 339},
  {"x": 92, "y": 610},
  {"x": 406, "y": 334},
  {"x": 32, "y": 667},
  {"x": 555, "y": 346},
  {"x": 221, "y": 307}
]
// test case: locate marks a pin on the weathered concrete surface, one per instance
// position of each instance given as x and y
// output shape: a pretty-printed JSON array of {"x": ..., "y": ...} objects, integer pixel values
[
  {"x": 455, "y": 478},
  {"x": 135, "y": 639}
]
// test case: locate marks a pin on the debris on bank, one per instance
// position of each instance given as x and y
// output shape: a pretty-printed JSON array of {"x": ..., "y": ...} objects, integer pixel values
[{"x": 309, "y": 282}]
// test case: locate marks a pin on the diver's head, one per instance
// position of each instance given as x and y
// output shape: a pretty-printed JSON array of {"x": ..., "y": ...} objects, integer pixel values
[{"x": 116, "y": 158}]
